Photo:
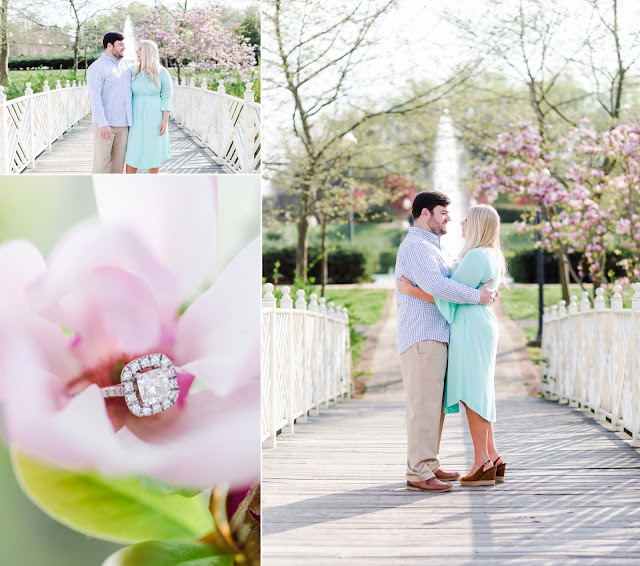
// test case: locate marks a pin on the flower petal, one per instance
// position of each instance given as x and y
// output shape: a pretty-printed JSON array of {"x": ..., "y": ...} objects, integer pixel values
[
  {"x": 88, "y": 246},
  {"x": 218, "y": 337},
  {"x": 178, "y": 223}
]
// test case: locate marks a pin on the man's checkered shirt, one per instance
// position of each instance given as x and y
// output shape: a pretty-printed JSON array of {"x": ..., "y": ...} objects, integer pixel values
[{"x": 421, "y": 260}]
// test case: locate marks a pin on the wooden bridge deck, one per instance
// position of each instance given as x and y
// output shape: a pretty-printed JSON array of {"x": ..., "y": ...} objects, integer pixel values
[
  {"x": 334, "y": 491},
  {"x": 73, "y": 154}
]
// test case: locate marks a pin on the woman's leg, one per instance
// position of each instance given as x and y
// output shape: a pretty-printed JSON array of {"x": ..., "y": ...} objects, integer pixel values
[
  {"x": 491, "y": 445},
  {"x": 479, "y": 429},
  {"x": 131, "y": 170},
  {"x": 154, "y": 170}
]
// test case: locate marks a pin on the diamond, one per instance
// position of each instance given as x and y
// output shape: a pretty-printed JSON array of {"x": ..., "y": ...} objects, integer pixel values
[
  {"x": 154, "y": 387},
  {"x": 144, "y": 362},
  {"x": 134, "y": 366},
  {"x": 166, "y": 404},
  {"x": 173, "y": 396},
  {"x": 136, "y": 410},
  {"x": 126, "y": 375},
  {"x": 165, "y": 361},
  {"x": 146, "y": 411},
  {"x": 128, "y": 387},
  {"x": 155, "y": 359},
  {"x": 156, "y": 408}
]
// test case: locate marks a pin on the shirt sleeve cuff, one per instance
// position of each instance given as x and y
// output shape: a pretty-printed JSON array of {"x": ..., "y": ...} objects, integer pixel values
[
  {"x": 476, "y": 296},
  {"x": 166, "y": 105}
]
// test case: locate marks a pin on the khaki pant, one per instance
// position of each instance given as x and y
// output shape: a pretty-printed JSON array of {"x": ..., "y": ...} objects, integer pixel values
[
  {"x": 108, "y": 155},
  {"x": 424, "y": 366}
]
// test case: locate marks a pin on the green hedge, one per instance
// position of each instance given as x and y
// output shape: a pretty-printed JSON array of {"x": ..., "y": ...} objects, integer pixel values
[
  {"x": 387, "y": 260},
  {"x": 60, "y": 62},
  {"x": 510, "y": 212},
  {"x": 522, "y": 266},
  {"x": 346, "y": 265}
]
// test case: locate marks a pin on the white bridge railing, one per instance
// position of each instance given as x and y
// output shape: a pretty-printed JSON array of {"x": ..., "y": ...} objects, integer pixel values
[
  {"x": 31, "y": 123},
  {"x": 306, "y": 359},
  {"x": 593, "y": 357},
  {"x": 228, "y": 126}
]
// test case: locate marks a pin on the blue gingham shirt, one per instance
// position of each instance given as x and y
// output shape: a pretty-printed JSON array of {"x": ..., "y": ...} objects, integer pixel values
[
  {"x": 109, "y": 84},
  {"x": 422, "y": 261}
]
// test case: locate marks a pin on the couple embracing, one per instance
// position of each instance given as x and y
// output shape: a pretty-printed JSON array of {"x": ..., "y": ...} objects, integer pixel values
[
  {"x": 130, "y": 108},
  {"x": 446, "y": 329}
]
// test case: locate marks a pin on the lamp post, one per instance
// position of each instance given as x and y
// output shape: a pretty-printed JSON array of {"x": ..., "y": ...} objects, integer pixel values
[
  {"x": 350, "y": 142},
  {"x": 540, "y": 268}
]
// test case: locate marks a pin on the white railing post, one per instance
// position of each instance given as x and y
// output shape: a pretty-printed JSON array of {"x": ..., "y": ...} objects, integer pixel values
[
  {"x": 635, "y": 365},
  {"x": 47, "y": 109},
  {"x": 315, "y": 393},
  {"x": 573, "y": 305},
  {"x": 269, "y": 303},
  {"x": 616, "y": 300},
  {"x": 585, "y": 305},
  {"x": 301, "y": 305},
  {"x": 286, "y": 303},
  {"x": 4, "y": 133},
  {"x": 31, "y": 134},
  {"x": 248, "y": 130}
]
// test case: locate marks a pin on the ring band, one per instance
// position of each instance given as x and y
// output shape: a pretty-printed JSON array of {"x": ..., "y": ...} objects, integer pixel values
[{"x": 148, "y": 384}]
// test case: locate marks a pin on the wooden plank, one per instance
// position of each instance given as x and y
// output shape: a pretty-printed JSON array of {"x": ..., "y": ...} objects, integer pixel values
[
  {"x": 334, "y": 492},
  {"x": 73, "y": 154}
]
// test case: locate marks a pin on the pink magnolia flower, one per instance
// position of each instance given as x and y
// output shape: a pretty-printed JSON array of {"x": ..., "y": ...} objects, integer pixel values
[{"x": 130, "y": 283}]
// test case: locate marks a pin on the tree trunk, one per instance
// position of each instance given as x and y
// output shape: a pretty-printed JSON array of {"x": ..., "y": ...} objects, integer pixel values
[
  {"x": 325, "y": 255},
  {"x": 4, "y": 45},
  {"x": 563, "y": 272},
  {"x": 302, "y": 260},
  {"x": 76, "y": 48}
]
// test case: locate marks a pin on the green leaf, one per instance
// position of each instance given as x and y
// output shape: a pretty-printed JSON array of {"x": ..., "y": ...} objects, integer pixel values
[
  {"x": 162, "y": 553},
  {"x": 119, "y": 510},
  {"x": 164, "y": 488}
]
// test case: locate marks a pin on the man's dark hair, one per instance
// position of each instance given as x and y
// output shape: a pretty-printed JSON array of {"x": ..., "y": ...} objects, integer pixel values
[
  {"x": 111, "y": 37},
  {"x": 428, "y": 200}
]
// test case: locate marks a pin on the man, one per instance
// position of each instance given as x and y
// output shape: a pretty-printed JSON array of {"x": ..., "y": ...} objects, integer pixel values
[
  {"x": 423, "y": 335},
  {"x": 109, "y": 80}
]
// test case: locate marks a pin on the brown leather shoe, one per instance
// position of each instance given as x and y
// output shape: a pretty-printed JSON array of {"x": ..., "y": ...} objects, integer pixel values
[
  {"x": 447, "y": 476},
  {"x": 432, "y": 484}
]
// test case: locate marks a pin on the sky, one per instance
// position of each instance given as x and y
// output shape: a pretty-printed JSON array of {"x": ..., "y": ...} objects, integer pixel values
[{"x": 62, "y": 17}]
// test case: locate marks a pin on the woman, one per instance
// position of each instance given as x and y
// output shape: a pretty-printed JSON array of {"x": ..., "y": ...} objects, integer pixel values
[
  {"x": 474, "y": 341},
  {"x": 148, "y": 141}
]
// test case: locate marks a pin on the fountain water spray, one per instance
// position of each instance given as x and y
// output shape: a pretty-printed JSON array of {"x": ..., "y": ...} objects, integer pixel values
[
  {"x": 445, "y": 180},
  {"x": 130, "y": 42}
]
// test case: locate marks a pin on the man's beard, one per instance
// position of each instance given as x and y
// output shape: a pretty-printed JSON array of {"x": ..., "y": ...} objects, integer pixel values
[{"x": 437, "y": 229}]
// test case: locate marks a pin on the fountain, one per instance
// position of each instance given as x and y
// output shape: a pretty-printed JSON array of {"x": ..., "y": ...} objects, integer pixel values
[
  {"x": 130, "y": 42},
  {"x": 445, "y": 179}
]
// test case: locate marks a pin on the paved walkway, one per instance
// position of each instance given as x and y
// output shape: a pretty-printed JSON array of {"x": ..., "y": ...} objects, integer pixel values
[
  {"x": 73, "y": 154},
  {"x": 333, "y": 492}
]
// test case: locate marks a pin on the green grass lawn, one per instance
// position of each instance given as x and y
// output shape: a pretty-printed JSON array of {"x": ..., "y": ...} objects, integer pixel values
[
  {"x": 19, "y": 79},
  {"x": 521, "y": 300},
  {"x": 365, "y": 307}
]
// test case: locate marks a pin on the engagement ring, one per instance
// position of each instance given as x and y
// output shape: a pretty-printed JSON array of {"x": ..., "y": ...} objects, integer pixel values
[{"x": 148, "y": 385}]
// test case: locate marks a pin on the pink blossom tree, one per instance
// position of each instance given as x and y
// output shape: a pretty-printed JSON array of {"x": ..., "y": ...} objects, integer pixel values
[
  {"x": 587, "y": 190},
  {"x": 198, "y": 35}
]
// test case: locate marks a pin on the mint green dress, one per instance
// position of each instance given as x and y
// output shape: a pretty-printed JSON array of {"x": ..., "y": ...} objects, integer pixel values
[
  {"x": 145, "y": 148},
  {"x": 473, "y": 339}
]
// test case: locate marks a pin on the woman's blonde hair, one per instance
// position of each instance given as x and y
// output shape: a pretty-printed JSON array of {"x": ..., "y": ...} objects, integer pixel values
[
  {"x": 149, "y": 61},
  {"x": 483, "y": 230}
]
